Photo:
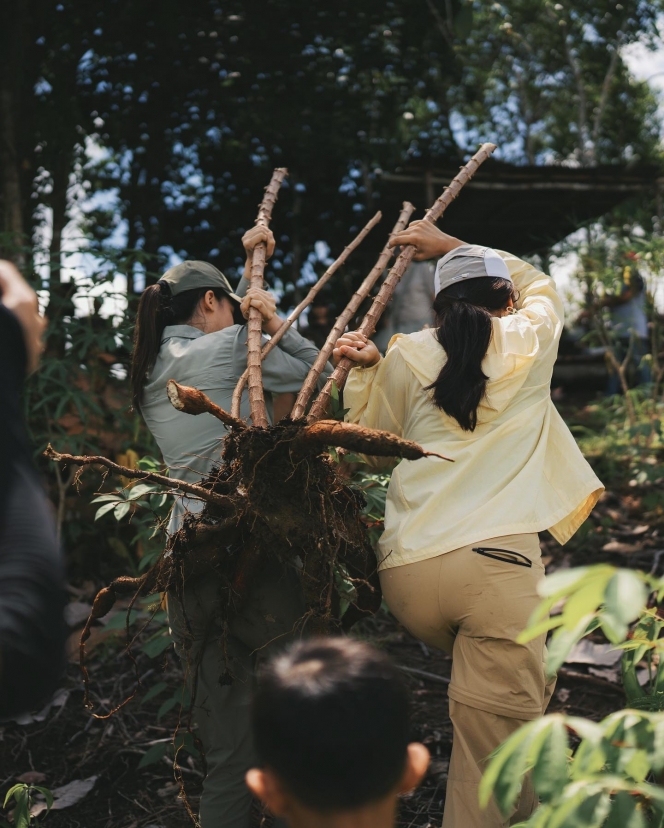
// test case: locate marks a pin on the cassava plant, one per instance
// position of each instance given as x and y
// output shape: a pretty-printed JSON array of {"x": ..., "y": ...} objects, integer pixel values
[
  {"x": 612, "y": 778},
  {"x": 276, "y": 491}
]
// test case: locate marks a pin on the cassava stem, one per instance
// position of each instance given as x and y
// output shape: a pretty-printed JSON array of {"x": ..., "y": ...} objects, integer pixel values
[
  {"x": 137, "y": 474},
  {"x": 404, "y": 259},
  {"x": 308, "y": 299},
  {"x": 255, "y": 322},
  {"x": 309, "y": 385}
]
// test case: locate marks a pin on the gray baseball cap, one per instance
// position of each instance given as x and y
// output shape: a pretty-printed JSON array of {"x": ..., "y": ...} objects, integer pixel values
[
  {"x": 191, "y": 274},
  {"x": 470, "y": 261}
]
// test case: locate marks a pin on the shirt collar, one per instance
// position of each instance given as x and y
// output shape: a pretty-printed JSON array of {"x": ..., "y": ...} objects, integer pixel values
[{"x": 180, "y": 332}]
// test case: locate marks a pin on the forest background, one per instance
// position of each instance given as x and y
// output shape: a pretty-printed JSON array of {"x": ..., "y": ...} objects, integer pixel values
[{"x": 137, "y": 134}]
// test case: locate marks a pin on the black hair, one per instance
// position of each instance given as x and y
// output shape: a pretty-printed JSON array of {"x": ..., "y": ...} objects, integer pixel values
[
  {"x": 157, "y": 309},
  {"x": 330, "y": 719},
  {"x": 464, "y": 329}
]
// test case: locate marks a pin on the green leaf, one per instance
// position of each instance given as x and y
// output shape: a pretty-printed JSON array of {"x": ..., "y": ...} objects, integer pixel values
[
  {"x": 625, "y": 596},
  {"x": 168, "y": 705},
  {"x": 154, "y": 691},
  {"x": 550, "y": 768},
  {"x": 121, "y": 510},
  {"x": 561, "y": 581},
  {"x": 104, "y": 509},
  {"x": 562, "y": 642},
  {"x": 119, "y": 621},
  {"x": 502, "y": 777},
  {"x": 48, "y": 796},
  {"x": 153, "y": 755},
  {"x": 12, "y": 792},
  {"x": 625, "y": 812},
  {"x": 107, "y": 498},
  {"x": 156, "y": 646},
  {"x": 139, "y": 490}
]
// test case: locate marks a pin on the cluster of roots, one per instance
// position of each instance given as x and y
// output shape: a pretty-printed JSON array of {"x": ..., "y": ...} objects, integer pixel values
[{"x": 280, "y": 497}]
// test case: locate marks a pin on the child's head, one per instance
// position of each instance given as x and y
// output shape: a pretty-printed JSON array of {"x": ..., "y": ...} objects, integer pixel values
[{"x": 331, "y": 726}]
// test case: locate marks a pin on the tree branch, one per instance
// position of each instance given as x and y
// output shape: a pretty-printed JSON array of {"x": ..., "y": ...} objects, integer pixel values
[
  {"x": 255, "y": 323},
  {"x": 137, "y": 474},
  {"x": 308, "y": 299},
  {"x": 604, "y": 99},
  {"x": 309, "y": 385},
  {"x": 368, "y": 326}
]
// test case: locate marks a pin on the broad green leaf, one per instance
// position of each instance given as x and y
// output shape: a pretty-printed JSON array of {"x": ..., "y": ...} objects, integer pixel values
[
  {"x": 139, "y": 490},
  {"x": 587, "y": 598},
  {"x": 168, "y": 705},
  {"x": 550, "y": 764},
  {"x": 156, "y": 646},
  {"x": 48, "y": 796},
  {"x": 153, "y": 755},
  {"x": 625, "y": 812},
  {"x": 119, "y": 621},
  {"x": 562, "y": 642},
  {"x": 107, "y": 498},
  {"x": 121, "y": 510},
  {"x": 625, "y": 596},
  {"x": 107, "y": 507},
  {"x": 502, "y": 777},
  {"x": 12, "y": 791},
  {"x": 561, "y": 582},
  {"x": 154, "y": 691}
]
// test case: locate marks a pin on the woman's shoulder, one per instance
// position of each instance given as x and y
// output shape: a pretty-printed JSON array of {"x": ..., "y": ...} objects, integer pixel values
[{"x": 420, "y": 352}]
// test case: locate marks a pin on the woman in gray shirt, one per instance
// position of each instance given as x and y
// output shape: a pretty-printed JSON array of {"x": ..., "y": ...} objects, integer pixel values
[{"x": 190, "y": 328}]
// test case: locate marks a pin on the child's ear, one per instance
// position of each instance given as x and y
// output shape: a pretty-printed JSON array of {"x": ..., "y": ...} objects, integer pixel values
[
  {"x": 265, "y": 786},
  {"x": 417, "y": 762}
]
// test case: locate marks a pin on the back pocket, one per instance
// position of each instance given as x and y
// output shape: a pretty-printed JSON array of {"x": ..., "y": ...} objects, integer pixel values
[{"x": 505, "y": 555}]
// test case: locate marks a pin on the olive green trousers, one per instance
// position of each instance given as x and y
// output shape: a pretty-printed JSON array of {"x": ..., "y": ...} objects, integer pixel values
[{"x": 266, "y": 622}]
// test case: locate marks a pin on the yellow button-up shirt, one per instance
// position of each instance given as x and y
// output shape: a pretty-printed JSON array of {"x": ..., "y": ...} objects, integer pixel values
[{"x": 520, "y": 470}]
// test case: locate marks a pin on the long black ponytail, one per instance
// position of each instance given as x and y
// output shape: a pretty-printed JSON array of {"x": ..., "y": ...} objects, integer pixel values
[
  {"x": 464, "y": 330},
  {"x": 157, "y": 309}
]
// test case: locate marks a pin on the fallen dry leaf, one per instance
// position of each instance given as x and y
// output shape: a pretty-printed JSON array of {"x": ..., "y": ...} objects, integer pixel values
[
  {"x": 587, "y": 652},
  {"x": 31, "y": 778},
  {"x": 622, "y": 548},
  {"x": 67, "y": 795}
]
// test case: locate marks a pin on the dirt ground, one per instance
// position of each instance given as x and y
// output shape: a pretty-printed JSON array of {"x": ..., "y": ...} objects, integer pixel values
[{"x": 67, "y": 745}]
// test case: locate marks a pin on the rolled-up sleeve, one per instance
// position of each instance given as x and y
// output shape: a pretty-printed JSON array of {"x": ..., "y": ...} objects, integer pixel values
[
  {"x": 376, "y": 397},
  {"x": 539, "y": 308}
]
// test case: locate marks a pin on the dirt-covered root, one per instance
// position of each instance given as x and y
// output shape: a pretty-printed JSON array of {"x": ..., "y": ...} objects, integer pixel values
[
  {"x": 362, "y": 440},
  {"x": 193, "y": 401}
]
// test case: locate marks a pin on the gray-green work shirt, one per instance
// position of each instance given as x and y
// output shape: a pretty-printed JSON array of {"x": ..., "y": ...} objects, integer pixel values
[{"x": 212, "y": 363}]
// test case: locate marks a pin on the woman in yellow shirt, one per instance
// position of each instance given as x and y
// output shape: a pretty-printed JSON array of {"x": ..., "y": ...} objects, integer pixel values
[{"x": 459, "y": 559}]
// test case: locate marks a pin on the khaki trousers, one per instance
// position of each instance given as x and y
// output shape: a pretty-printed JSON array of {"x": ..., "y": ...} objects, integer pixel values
[
  {"x": 267, "y": 621},
  {"x": 472, "y": 603}
]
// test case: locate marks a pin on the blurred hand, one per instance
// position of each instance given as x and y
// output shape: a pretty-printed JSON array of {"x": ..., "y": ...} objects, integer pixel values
[
  {"x": 357, "y": 347},
  {"x": 262, "y": 300},
  {"x": 255, "y": 236},
  {"x": 428, "y": 240},
  {"x": 17, "y": 295}
]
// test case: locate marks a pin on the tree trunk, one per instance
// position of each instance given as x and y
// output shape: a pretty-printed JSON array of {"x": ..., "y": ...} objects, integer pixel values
[{"x": 12, "y": 32}]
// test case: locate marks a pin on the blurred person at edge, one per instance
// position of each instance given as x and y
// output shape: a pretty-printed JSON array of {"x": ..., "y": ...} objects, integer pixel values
[
  {"x": 629, "y": 324},
  {"x": 191, "y": 327},
  {"x": 32, "y": 628},
  {"x": 459, "y": 560},
  {"x": 332, "y": 733}
]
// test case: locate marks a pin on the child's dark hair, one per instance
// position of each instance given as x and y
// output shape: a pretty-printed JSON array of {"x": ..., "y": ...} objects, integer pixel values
[
  {"x": 330, "y": 719},
  {"x": 157, "y": 309},
  {"x": 464, "y": 330}
]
